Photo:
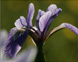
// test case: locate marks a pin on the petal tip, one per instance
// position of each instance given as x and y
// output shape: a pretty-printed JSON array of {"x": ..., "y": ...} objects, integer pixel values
[
  {"x": 31, "y": 5},
  {"x": 60, "y": 9},
  {"x": 51, "y": 7}
]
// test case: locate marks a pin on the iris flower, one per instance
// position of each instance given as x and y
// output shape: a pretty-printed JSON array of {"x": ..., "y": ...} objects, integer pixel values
[{"x": 38, "y": 32}]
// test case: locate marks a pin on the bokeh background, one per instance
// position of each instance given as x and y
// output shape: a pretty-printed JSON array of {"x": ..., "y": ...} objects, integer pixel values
[{"x": 61, "y": 46}]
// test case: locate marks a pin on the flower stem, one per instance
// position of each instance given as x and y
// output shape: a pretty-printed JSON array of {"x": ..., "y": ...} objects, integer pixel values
[{"x": 40, "y": 55}]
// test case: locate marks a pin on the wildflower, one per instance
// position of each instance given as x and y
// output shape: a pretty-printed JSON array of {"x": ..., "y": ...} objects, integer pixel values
[{"x": 18, "y": 35}]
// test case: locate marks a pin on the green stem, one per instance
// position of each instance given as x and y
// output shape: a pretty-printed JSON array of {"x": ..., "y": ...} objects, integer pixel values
[{"x": 40, "y": 55}]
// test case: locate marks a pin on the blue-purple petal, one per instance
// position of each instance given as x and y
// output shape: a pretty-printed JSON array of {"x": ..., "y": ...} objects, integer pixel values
[
  {"x": 71, "y": 27},
  {"x": 40, "y": 13},
  {"x": 44, "y": 20},
  {"x": 30, "y": 14},
  {"x": 21, "y": 22},
  {"x": 57, "y": 12},
  {"x": 16, "y": 38},
  {"x": 52, "y": 8}
]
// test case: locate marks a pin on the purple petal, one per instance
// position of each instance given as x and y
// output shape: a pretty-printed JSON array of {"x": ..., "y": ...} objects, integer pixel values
[
  {"x": 16, "y": 38},
  {"x": 40, "y": 13},
  {"x": 20, "y": 23},
  {"x": 23, "y": 21},
  {"x": 30, "y": 14},
  {"x": 53, "y": 16},
  {"x": 44, "y": 20},
  {"x": 63, "y": 25},
  {"x": 71, "y": 27},
  {"x": 53, "y": 8}
]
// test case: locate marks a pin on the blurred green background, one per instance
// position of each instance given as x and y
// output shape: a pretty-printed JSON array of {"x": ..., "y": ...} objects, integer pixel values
[{"x": 61, "y": 46}]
